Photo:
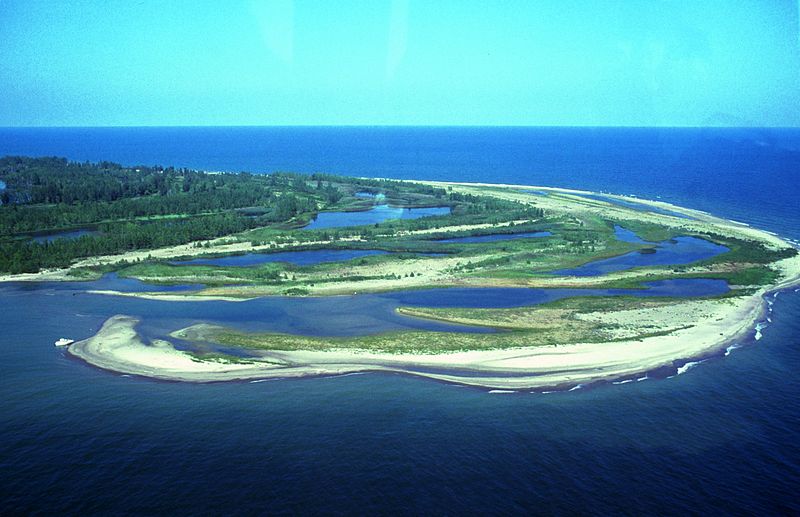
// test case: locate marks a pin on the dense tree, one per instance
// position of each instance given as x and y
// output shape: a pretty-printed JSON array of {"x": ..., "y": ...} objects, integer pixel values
[{"x": 146, "y": 207}]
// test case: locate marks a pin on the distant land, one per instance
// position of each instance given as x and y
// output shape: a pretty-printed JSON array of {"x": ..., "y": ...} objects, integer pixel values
[{"x": 595, "y": 287}]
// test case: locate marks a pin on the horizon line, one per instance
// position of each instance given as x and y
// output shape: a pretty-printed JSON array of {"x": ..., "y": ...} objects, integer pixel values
[{"x": 521, "y": 126}]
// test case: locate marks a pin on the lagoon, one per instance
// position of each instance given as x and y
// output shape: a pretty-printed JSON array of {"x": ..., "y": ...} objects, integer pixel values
[
  {"x": 375, "y": 215},
  {"x": 673, "y": 252},
  {"x": 67, "y": 235},
  {"x": 298, "y": 258}
]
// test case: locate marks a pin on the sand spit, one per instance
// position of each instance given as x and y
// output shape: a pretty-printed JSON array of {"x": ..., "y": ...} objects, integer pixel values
[
  {"x": 703, "y": 327},
  {"x": 117, "y": 347}
]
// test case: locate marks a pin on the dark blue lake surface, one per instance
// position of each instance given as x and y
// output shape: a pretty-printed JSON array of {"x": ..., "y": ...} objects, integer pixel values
[
  {"x": 300, "y": 258},
  {"x": 70, "y": 234},
  {"x": 377, "y": 214},
  {"x": 516, "y": 297},
  {"x": 720, "y": 439},
  {"x": 677, "y": 251},
  {"x": 496, "y": 237}
]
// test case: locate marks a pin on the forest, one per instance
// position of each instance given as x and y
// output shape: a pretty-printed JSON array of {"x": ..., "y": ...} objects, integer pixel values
[{"x": 146, "y": 207}]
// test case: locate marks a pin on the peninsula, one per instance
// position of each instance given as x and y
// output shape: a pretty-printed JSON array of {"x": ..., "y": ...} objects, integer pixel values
[{"x": 532, "y": 287}]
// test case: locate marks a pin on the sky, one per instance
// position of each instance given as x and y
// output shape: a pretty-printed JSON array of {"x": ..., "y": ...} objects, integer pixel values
[{"x": 400, "y": 62}]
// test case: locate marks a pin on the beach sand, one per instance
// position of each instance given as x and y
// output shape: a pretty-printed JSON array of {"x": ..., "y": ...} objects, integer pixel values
[
  {"x": 117, "y": 347},
  {"x": 705, "y": 326}
]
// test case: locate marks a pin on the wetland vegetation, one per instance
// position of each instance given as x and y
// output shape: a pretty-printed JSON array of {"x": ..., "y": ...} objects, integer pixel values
[{"x": 627, "y": 272}]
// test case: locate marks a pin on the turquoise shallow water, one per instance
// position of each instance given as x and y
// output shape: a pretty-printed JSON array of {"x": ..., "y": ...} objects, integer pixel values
[{"x": 720, "y": 438}]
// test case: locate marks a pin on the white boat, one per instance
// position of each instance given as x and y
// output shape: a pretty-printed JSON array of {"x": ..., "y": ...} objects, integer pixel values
[{"x": 64, "y": 342}]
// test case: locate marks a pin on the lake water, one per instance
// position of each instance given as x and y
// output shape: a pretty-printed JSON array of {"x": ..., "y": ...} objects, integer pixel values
[
  {"x": 299, "y": 258},
  {"x": 721, "y": 438},
  {"x": 374, "y": 215},
  {"x": 69, "y": 235},
  {"x": 677, "y": 251}
]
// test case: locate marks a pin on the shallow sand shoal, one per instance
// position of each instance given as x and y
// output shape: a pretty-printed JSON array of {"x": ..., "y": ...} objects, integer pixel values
[{"x": 117, "y": 347}]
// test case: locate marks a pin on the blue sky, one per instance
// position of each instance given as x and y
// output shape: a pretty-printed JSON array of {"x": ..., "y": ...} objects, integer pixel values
[{"x": 545, "y": 62}]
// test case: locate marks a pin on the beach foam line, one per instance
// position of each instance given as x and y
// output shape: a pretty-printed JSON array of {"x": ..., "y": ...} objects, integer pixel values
[
  {"x": 731, "y": 348},
  {"x": 335, "y": 376},
  {"x": 688, "y": 366},
  {"x": 759, "y": 327}
]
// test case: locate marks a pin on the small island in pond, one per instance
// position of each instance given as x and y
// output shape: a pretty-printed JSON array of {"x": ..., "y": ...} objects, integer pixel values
[{"x": 522, "y": 287}]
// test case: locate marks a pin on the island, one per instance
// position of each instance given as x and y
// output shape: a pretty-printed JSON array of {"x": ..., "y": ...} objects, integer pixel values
[{"x": 505, "y": 287}]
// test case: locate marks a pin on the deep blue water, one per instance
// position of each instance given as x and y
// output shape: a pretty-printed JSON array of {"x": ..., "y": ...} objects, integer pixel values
[
  {"x": 374, "y": 215},
  {"x": 721, "y": 438}
]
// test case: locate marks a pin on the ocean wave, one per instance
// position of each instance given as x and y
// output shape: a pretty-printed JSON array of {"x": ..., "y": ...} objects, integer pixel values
[
  {"x": 759, "y": 327},
  {"x": 626, "y": 381},
  {"x": 343, "y": 375},
  {"x": 501, "y": 391},
  {"x": 579, "y": 386},
  {"x": 640, "y": 379},
  {"x": 688, "y": 366},
  {"x": 731, "y": 349}
]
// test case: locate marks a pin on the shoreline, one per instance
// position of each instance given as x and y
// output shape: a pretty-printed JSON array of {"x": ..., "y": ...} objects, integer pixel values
[{"x": 118, "y": 347}]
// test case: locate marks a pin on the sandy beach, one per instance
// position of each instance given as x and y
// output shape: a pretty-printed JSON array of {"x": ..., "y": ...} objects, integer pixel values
[
  {"x": 703, "y": 326},
  {"x": 117, "y": 347}
]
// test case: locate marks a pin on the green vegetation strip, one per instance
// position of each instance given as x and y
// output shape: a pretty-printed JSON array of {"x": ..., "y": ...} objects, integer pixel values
[{"x": 554, "y": 323}]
